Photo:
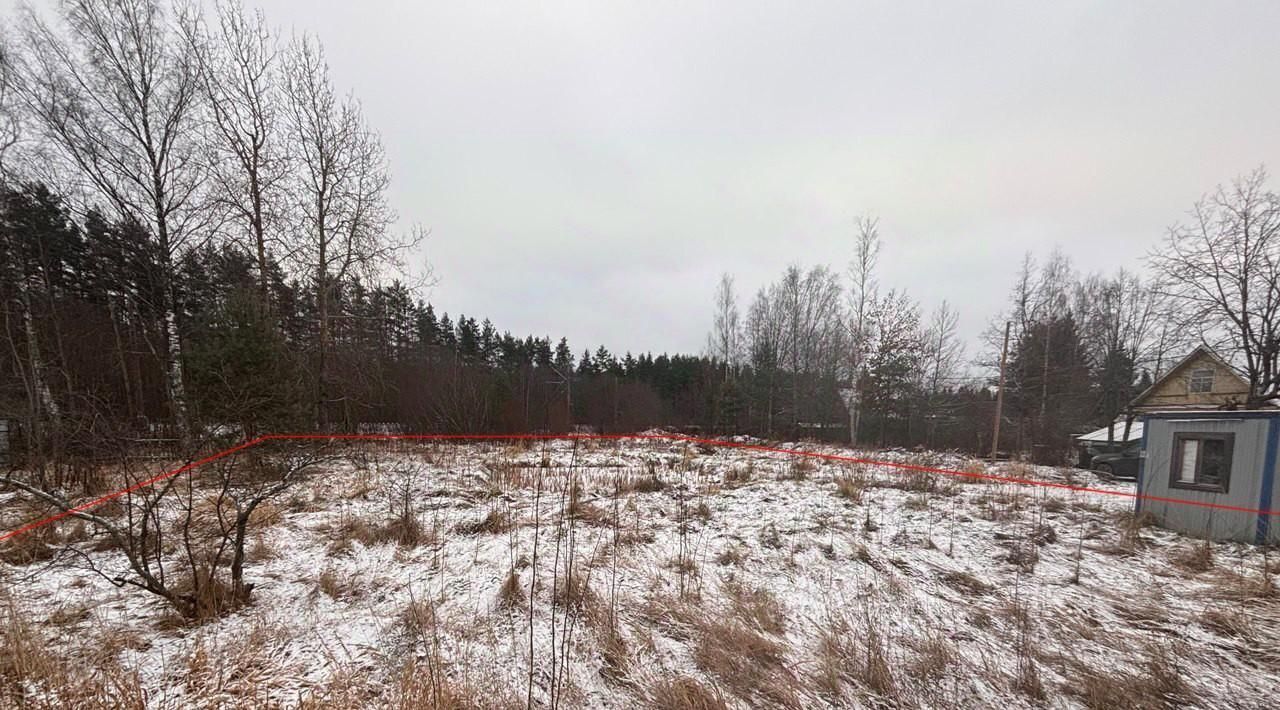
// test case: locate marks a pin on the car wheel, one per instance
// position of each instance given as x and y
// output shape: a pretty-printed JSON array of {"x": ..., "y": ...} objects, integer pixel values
[{"x": 1105, "y": 470}]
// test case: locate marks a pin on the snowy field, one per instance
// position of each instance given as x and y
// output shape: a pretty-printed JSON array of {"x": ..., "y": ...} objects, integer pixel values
[{"x": 662, "y": 574}]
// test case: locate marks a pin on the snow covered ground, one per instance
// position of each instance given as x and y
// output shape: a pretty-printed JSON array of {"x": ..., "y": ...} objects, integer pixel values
[{"x": 663, "y": 573}]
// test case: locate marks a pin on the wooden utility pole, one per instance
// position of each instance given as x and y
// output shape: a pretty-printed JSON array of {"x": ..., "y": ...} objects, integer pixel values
[{"x": 995, "y": 429}]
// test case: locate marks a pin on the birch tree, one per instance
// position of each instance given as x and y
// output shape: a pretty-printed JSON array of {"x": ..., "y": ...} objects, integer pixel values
[
  {"x": 862, "y": 296},
  {"x": 115, "y": 96}
]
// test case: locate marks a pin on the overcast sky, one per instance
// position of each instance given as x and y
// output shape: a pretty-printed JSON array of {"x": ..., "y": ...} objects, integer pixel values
[{"x": 589, "y": 169}]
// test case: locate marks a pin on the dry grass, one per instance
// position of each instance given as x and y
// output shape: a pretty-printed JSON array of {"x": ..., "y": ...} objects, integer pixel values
[
  {"x": 966, "y": 582},
  {"x": 1232, "y": 623},
  {"x": 261, "y": 550},
  {"x": 33, "y": 676},
  {"x": 574, "y": 591},
  {"x": 683, "y": 692},
  {"x": 851, "y": 484},
  {"x": 853, "y": 653},
  {"x": 337, "y": 585},
  {"x": 399, "y": 531},
  {"x": 935, "y": 654},
  {"x": 940, "y": 484},
  {"x": 212, "y": 592},
  {"x": 759, "y": 608},
  {"x": 732, "y": 555},
  {"x": 1194, "y": 557},
  {"x": 748, "y": 663},
  {"x": 36, "y": 546},
  {"x": 647, "y": 482},
  {"x": 740, "y": 475},
  {"x": 511, "y": 593},
  {"x": 677, "y": 618},
  {"x": 495, "y": 521},
  {"x": 1156, "y": 684},
  {"x": 976, "y": 472},
  {"x": 586, "y": 511},
  {"x": 799, "y": 469}
]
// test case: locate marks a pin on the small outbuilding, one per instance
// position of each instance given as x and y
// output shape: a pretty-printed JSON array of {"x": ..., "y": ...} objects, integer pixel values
[
  {"x": 1208, "y": 467},
  {"x": 1212, "y": 474}
]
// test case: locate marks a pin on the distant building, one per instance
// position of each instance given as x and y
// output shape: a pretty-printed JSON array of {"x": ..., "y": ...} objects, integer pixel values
[
  {"x": 1201, "y": 381},
  {"x": 1208, "y": 466}
]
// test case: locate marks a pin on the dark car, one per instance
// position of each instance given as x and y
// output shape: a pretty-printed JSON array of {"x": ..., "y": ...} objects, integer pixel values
[{"x": 1119, "y": 464}]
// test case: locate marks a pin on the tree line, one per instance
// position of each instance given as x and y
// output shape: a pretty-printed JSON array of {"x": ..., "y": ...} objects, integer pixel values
[
  {"x": 813, "y": 349},
  {"x": 195, "y": 235}
]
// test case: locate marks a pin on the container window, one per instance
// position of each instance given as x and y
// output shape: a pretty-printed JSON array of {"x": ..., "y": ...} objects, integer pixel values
[{"x": 1202, "y": 461}]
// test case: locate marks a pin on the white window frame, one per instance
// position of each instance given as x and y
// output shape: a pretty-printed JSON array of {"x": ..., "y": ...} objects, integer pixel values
[{"x": 1200, "y": 376}]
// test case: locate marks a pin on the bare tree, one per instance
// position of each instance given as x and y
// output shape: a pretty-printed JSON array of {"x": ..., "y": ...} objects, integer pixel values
[
  {"x": 943, "y": 358},
  {"x": 1220, "y": 272},
  {"x": 341, "y": 187},
  {"x": 812, "y": 328},
  {"x": 116, "y": 97},
  {"x": 10, "y": 129},
  {"x": 239, "y": 75},
  {"x": 726, "y": 329},
  {"x": 1119, "y": 315},
  {"x": 764, "y": 333},
  {"x": 944, "y": 350}
]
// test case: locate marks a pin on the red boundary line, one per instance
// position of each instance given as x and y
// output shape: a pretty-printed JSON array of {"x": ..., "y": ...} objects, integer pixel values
[{"x": 668, "y": 437}]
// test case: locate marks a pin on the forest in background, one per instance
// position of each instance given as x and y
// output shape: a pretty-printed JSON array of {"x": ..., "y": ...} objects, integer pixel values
[{"x": 195, "y": 236}]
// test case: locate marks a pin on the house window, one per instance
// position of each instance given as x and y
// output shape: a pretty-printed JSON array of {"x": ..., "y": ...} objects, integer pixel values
[
  {"x": 1202, "y": 462},
  {"x": 1201, "y": 380}
]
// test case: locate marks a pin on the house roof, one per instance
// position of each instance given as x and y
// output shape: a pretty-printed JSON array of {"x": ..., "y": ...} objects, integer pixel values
[
  {"x": 1100, "y": 436},
  {"x": 1199, "y": 351}
]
